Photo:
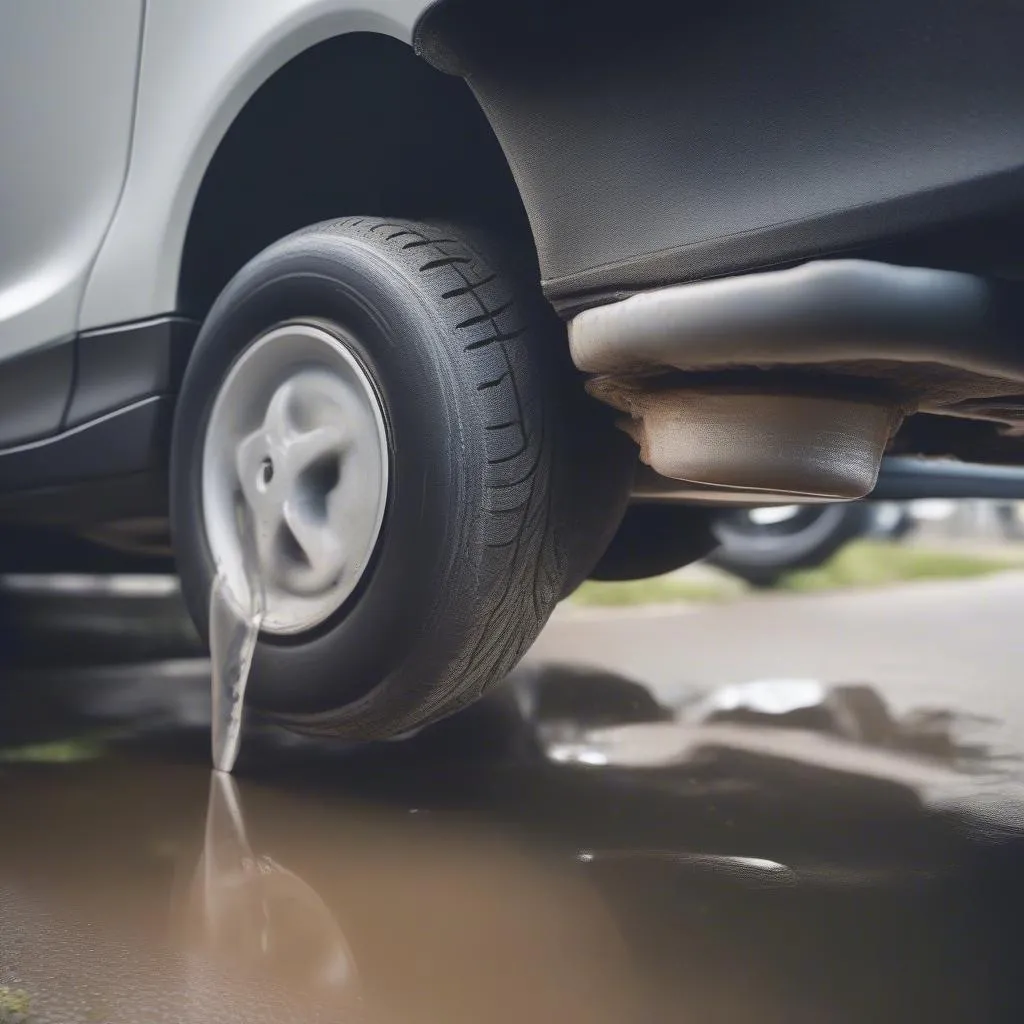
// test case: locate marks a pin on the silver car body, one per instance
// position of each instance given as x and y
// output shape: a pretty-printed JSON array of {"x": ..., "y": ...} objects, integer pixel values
[{"x": 110, "y": 113}]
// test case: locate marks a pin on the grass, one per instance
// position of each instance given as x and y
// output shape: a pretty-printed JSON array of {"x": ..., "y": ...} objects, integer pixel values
[
  {"x": 869, "y": 563},
  {"x": 15, "y": 1005},
  {"x": 863, "y": 563},
  {"x": 659, "y": 590},
  {"x": 58, "y": 752}
]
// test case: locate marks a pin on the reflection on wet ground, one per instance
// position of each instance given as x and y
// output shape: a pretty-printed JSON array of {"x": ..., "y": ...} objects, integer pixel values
[{"x": 571, "y": 849}]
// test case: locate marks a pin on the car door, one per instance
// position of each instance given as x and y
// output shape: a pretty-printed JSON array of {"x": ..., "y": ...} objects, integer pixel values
[{"x": 68, "y": 72}]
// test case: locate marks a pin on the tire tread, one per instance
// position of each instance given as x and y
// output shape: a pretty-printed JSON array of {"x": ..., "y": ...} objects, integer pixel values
[{"x": 523, "y": 569}]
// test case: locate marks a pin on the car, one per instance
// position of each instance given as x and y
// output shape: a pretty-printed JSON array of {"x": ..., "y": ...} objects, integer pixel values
[
  {"x": 762, "y": 545},
  {"x": 414, "y": 315}
]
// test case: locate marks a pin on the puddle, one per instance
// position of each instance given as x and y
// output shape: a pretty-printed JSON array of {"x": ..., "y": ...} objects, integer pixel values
[
  {"x": 573, "y": 848},
  {"x": 746, "y": 876},
  {"x": 247, "y": 915},
  {"x": 280, "y": 908}
]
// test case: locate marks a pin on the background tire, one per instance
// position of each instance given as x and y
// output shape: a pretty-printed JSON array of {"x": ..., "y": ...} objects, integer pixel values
[
  {"x": 1010, "y": 520},
  {"x": 505, "y": 484},
  {"x": 762, "y": 553}
]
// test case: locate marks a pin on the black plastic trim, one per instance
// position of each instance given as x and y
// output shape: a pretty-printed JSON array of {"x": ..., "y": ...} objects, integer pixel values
[
  {"x": 117, "y": 366},
  {"x": 34, "y": 392},
  {"x": 68, "y": 383},
  {"x": 128, "y": 441},
  {"x": 81, "y": 415}
]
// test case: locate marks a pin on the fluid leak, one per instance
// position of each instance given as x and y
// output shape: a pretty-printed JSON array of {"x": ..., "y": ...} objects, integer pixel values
[{"x": 236, "y": 614}]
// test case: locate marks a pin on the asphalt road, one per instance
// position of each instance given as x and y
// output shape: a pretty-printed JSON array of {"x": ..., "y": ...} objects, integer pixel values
[{"x": 955, "y": 646}]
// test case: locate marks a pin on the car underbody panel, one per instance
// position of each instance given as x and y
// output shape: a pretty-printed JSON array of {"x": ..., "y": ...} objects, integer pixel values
[
  {"x": 794, "y": 381},
  {"x": 777, "y": 232}
]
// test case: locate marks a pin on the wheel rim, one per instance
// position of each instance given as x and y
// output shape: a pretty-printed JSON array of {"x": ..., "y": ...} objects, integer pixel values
[
  {"x": 297, "y": 434},
  {"x": 747, "y": 526}
]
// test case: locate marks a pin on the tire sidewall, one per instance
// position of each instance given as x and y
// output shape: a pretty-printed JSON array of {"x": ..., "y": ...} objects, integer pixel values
[{"x": 766, "y": 557}]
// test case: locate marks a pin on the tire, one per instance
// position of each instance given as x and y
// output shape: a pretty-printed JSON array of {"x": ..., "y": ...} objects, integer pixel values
[
  {"x": 762, "y": 555},
  {"x": 505, "y": 482},
  {"x": 1008, "y": 516},
  {"x": 905, "y": 525},
  {"x": 891, "y": 521},
  {"x": 656, "y": 539}
]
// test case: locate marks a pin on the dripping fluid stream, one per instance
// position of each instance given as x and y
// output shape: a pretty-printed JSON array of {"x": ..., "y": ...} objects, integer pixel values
[{"x": 235, "y": 620}]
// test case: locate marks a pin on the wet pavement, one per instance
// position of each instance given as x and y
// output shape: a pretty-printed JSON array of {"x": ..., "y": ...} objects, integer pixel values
[{"x": 626, "y": 830}]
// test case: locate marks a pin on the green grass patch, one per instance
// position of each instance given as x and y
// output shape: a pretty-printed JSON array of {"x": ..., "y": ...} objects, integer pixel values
[
  {"x": 15, "y": 1005},
  {"x": 86, "y": 748},
  {"x": 659, "y": 590},
  {"x": 867, "y": 563},
  {"x": 864, "y": 563}
]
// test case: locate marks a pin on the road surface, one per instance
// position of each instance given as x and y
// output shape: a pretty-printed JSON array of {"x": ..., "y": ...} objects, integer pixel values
[
  {"x": 950, "y": 645},
  {"x": 721, "y": 872}
]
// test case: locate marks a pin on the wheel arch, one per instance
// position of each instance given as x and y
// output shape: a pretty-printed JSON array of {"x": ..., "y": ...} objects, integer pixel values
[
  {"x": 195, "y": 203},
  {"x": 401, "y": 140}
]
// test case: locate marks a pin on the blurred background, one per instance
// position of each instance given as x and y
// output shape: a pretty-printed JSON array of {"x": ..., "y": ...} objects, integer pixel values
[{"x": 812, "y": 548}]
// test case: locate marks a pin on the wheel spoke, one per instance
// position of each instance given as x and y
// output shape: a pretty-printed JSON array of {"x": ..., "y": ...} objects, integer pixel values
[
  {"x": 277, "y": 422},
  {"x": 310, "y": 448},
  {"x": 323, "y": 551}
]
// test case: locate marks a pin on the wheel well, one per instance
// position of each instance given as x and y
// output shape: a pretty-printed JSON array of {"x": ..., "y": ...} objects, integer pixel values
[{"x": 355, "y": 125}]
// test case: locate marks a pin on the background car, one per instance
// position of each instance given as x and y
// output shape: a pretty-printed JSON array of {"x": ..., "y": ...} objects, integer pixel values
[{"x": 760, "y": 545}]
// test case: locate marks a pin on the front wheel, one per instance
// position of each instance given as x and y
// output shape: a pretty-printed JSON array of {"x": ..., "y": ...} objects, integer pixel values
[{"x": 426, "y": 478}]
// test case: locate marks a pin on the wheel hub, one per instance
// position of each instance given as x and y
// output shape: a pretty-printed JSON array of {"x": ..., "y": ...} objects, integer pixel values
[{"x": 297, "y": 433}]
